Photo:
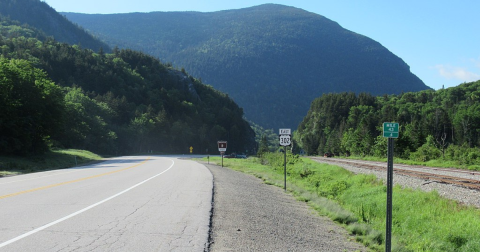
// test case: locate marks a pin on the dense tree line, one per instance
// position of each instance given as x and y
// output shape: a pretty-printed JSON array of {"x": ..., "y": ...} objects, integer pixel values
[
  {"x": 30, "y": 105},
  {"x": 114, "y": 103},
  {"x": 433, "y": 124}
]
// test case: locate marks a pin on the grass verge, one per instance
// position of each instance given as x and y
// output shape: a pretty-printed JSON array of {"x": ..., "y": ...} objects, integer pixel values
[
  {"x": 422, "y": 221},
  {"x": 55, "y": 159}
]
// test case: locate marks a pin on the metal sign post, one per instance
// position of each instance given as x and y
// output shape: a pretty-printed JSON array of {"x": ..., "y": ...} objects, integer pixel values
[
  {"x": 285, "y": 168},
  {"x": 388, "y": 236},
  {"x": 285, "y": 140},
  {"x": 390, "y": 130}
]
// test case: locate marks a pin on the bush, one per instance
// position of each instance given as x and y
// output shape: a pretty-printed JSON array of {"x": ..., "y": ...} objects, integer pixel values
[
  {"x": 463, "y": 154},
  {"x": 426, "y": 152}
]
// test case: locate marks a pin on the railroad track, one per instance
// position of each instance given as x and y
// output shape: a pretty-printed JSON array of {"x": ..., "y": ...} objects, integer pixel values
[{"x": 464, "y": 178}]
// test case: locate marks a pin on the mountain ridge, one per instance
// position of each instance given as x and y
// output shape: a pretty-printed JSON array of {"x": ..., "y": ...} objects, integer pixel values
[
  {"x": 42, "y": 16},
  {"x": 273, "y": 60}
]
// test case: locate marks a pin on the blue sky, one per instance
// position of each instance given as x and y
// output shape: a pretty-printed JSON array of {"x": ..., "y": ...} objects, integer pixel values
[{"x": 438, "y": 39}]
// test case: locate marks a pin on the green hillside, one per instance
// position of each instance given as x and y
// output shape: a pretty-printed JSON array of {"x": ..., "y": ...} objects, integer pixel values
[
  {"x": 56, "y": 95},
  {"x": 440, "y": 124},
  {"x": 40, "y": 15},
  {"x": 271, "y": 59}
]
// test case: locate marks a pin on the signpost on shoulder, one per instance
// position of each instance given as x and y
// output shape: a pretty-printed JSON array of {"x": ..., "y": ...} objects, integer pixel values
[
  {"x": 391, "y": 131},
  {"x": 222, "y": 148},
  {"x": 285, "y": 136}
]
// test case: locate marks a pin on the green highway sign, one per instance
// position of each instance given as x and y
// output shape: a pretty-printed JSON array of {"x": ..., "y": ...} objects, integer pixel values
[{"x": 390, "y": 130}]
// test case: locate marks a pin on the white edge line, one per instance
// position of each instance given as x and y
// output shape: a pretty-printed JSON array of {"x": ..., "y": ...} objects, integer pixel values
[{"x": 80, "y": 211}]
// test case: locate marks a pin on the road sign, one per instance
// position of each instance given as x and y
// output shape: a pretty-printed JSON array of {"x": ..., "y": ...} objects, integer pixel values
[
  {"x": 390, "y": 130},
  {"x": 285, "y": 140},
  {"x": 222, "y": 146},
  {"x": 285, "y": 137}
]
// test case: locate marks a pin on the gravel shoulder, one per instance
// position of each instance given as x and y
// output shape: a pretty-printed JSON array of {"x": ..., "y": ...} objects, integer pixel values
[{"x": 249, "y": 215}]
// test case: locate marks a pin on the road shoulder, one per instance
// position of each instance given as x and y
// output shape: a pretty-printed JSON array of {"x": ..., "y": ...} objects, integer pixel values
[{"x": 249, "y": 215}]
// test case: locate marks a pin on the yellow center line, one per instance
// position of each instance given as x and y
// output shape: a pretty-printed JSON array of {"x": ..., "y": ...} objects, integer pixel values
[{"x": 72, "y": 181}]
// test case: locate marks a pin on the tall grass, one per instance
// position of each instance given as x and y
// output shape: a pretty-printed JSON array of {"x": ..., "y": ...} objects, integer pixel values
[
  {"x": 422, "y": 221},
  {"x": 55, "y": 159}
]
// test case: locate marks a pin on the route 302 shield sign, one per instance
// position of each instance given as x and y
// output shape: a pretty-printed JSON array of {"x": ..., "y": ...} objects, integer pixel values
[{"x": 285, "y": 140}]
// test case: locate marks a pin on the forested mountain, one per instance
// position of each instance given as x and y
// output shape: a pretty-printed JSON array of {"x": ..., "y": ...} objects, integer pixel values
[
  {"x": 433, "y": 124},
  {"x": 58, "y": 95},
  {"x": 40, "y": 15},
  {"x": 272, "y": 59}
]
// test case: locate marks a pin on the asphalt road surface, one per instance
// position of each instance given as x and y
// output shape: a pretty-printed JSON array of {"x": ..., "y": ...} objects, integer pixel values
[{"x": 132, "y": 203}]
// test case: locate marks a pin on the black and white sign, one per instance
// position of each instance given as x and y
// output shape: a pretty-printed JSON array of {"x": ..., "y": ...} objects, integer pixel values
[
  {"x": 285, "y": 132},
  {"x": 222, "y": 146},
  {"x": 285, "y": 137},
  {"x": 285, "y": 140}
]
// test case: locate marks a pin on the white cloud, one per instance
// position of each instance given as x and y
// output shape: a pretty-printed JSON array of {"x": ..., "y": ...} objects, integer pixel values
[{"x": 458, "y": 73}]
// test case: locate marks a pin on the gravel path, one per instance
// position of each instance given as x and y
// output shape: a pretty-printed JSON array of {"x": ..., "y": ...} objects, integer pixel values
[
  {"x": 460, "y": 194},
  {"x": 249, "y": 215}
]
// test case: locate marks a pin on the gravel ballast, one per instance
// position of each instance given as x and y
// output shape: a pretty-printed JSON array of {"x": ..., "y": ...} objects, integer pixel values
[{"x": 249, "y": 215}]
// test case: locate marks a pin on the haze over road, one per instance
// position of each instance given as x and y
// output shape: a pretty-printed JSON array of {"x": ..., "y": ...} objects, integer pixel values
[{"x": 134, "y": 203}]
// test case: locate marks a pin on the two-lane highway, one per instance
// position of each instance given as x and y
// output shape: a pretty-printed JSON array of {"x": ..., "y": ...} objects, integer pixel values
[{"x": 132, "y": 203}]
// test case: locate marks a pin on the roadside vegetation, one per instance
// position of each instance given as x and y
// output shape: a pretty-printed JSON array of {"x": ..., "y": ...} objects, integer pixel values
[
  {"x": 55, "y": 159},
  {"x": 422, "y": 221}
]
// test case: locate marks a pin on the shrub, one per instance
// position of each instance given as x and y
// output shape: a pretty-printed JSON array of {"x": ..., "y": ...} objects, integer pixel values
[{"x": 426, "y": 152}]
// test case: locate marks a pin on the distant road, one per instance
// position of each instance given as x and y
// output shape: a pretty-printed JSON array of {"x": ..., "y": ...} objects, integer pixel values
[{"x": 134, "y": 203}]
